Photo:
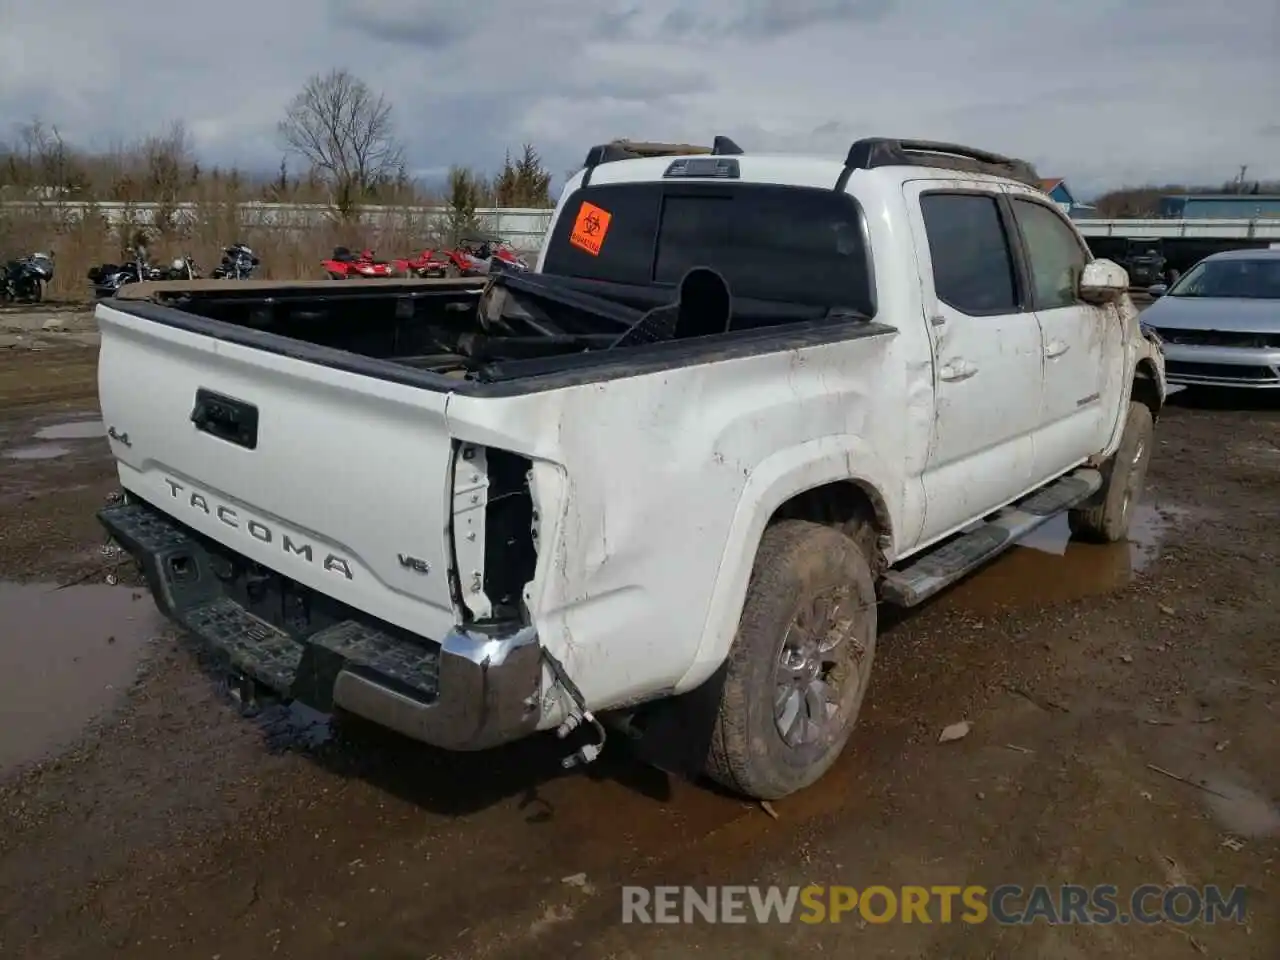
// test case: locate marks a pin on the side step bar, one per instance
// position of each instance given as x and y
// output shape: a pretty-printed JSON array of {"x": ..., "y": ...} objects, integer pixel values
[{"x": 962, "y": 555}]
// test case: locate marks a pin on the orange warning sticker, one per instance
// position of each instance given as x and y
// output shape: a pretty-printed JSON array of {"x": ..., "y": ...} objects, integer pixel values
[{"x": 590, "y": 228}]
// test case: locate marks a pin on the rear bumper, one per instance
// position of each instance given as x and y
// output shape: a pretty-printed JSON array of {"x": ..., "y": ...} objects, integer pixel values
[{"x": 472, "y": 690}]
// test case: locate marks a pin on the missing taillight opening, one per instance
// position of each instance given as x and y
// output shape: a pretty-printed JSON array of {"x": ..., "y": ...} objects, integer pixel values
[
  {"x": 511, "y": 550},
  {"x": 494, "y": 541}
]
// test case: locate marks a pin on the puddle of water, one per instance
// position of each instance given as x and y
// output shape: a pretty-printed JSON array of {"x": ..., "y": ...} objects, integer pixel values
[
  {"x": 73, "y": 430},
  {"x": 1242, "y": 811},
  {"x": 41, "y": 451},
  {"x": 1049, "y": 567},
  {"x": 65, "y": 656}
]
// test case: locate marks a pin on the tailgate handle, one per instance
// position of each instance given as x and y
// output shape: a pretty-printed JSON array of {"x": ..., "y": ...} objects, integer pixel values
[{"x": 226, "y": 418}]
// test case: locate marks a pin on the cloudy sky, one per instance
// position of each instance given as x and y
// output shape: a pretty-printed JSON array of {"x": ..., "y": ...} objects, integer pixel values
[{"x": 1103, "y": 92}]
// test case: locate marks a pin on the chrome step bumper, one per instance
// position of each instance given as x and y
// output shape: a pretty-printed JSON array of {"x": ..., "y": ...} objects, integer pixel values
[{"x": 475, "y": 688}]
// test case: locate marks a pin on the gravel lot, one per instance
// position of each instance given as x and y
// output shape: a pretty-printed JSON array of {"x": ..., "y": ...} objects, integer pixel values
[{"x": 140, "y": 816}]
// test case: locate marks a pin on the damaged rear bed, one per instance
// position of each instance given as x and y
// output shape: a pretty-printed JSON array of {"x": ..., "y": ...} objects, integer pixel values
[
  {"x": 461, "y": 335},
  {"x": 414, "y": 497}
]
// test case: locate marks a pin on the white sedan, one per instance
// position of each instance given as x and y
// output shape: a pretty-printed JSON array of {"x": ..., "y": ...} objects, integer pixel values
[{"x": 1220, "y": 322}]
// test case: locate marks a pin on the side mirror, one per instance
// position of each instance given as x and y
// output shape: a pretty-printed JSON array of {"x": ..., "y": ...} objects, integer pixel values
[
  {"x": 1157, "y": 290},
  {"x": 1103, "y": 281}
]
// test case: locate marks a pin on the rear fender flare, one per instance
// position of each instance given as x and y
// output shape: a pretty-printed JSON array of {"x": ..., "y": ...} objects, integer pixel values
[{"x": 771, "y": 484}]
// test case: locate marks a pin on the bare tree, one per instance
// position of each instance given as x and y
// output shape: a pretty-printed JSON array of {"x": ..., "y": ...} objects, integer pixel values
[
  {"x": 167, "y": 158},
  {"x": 43, "y": 161},
  {"x": 345, "y": 132}
]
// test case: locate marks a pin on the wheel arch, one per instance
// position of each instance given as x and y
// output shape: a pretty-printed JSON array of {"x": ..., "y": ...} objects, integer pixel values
[
  {"x": 851, "y": 505},
  {"x": 1146, "y": 388},
  {"x": 838, "y": 480}
]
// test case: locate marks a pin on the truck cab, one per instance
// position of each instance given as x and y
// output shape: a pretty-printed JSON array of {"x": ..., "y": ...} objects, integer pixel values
[{"x": 663, "y": 481}]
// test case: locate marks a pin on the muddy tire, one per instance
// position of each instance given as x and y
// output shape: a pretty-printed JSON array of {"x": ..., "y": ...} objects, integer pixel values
[
  {"x": 803, "y": 653},
  {"x": 1107, "y": 517}
]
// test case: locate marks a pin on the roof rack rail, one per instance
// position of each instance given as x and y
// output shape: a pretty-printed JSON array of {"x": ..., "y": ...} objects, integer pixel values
[
  {"x": 872, "y": 152},
  {"x": 632, "y": 149}
]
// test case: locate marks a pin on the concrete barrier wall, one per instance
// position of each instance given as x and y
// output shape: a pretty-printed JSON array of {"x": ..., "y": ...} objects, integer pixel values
[{"x": 522, "y": 227}]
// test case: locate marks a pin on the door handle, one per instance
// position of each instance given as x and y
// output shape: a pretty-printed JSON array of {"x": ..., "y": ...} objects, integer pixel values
[
  {"x": 957, "y": 370},
  {"x": 226, "y": 418},
  {"x": 1056, "y": 348}
]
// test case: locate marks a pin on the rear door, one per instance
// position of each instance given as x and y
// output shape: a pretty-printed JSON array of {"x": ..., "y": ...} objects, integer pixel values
[
  {"x": 986, "y": 352},
  {"x": 321, "y": 475},
  {"x": 1083, "y": 343}
]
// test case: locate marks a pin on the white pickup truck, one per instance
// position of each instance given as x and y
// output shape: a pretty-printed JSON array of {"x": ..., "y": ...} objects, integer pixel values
[{"x": 660, "y": 482}]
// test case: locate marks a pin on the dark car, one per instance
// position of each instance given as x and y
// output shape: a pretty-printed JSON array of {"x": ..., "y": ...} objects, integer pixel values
[{"x": 1145, "y": 260}]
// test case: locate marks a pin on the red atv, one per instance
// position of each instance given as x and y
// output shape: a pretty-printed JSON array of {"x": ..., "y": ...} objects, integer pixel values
[
  {"x": 345, "y": 265},
  {"x": 502, "y": 251},
  {"x": 428, "y": 263},
  {"x": 473, "y": 256}
]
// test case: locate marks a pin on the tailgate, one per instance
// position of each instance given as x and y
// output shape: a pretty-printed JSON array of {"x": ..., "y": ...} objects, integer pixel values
[{"x": 338, "y": 481}]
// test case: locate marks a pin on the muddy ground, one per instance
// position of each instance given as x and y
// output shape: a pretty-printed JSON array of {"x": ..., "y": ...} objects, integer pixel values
[{"x": 140, "y": 816}]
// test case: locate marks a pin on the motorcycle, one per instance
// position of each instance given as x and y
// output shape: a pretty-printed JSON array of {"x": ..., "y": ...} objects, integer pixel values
[
  {"x": 26, "y": 277},
  {"x": 238, "y": 263},
  {"x": 345, "y": 265},
  {"x": 182, "y": 268},
  {"x": 108, "y": 278}
]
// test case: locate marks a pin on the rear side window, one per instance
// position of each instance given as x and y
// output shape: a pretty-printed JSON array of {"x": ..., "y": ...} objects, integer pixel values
[
  {"x": 972, "y": 261},
  {"x": 781, "y": 244}
]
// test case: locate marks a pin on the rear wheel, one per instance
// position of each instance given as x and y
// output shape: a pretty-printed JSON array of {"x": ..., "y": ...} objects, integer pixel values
[
  {"x": 1107, "y": 517},
  {"x": 800, "y": 664}
]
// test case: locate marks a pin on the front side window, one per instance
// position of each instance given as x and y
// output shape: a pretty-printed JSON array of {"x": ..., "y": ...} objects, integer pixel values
[
  {"x": 972, "y": 260},
  {"x": 1057, "y": 259}
]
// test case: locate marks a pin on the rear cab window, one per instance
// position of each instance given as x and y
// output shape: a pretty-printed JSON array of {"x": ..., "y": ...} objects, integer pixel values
[{"x": 787, "y": 253}]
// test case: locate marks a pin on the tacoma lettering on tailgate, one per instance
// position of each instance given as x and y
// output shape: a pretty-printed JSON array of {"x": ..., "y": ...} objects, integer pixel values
[{"x": 255, "y": 528}]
